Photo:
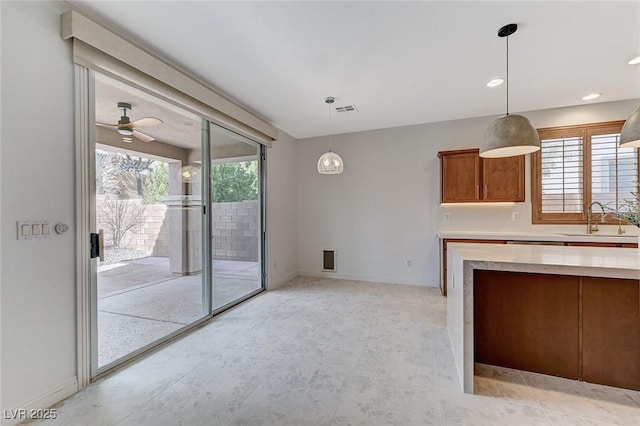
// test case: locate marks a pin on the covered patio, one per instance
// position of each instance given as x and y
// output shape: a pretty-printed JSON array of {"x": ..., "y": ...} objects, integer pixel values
[{"x": 141, "y": 300}]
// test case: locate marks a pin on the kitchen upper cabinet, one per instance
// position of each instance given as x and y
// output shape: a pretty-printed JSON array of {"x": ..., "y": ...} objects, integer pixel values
[
  {"x": 466, "y": 177},
  {"x": 503, "y": 179},
  {"x": 460, "y": 176}
]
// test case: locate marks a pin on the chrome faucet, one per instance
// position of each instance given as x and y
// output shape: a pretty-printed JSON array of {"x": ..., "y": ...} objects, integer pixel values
[{"x": 593, "y": 228}]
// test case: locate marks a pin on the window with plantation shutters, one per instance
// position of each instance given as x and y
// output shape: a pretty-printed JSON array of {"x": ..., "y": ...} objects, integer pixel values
[
  {"x": 577, "y": 165},
  {"x": 562, "y": 174},
  {"x": 614, "y": 170}
]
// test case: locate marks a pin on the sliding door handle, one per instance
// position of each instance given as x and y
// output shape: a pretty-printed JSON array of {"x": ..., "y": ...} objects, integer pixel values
[{"x": 97, "y": 245}]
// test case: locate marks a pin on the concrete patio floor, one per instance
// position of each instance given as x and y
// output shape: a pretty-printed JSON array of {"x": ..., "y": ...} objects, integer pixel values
[{"x": 140, "y": 300}]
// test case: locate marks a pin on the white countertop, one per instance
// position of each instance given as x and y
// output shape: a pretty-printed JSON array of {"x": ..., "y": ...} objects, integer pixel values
[
  {"x": 539, "y": 236},
  {"x": 590, "y": 261}
]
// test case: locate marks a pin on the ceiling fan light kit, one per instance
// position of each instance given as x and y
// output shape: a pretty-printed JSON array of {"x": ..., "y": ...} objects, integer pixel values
[
  {"x": 330, "y": 163},
  {"x": 509, "y": 135},
  {"x": 128, "y": 129}
]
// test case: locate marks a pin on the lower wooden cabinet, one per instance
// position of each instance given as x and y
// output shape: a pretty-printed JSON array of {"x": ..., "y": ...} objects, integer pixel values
[
  {"x": 590, "y": 244},
  {"x": 527, "y": 322},
  {"x": 583, "y": 328},
  {"x": 611, "y": 332}
]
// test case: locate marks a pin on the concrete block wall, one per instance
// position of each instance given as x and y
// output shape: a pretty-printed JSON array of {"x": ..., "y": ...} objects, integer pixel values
[
  {"x": 152, "y": 237},
  {"x": 236, "y": 231}
]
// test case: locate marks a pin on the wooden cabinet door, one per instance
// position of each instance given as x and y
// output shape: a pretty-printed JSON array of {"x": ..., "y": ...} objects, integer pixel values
[
  {"x": 503, "y": 179},
  {"x": 611, "y": 332},
  {"x": 460, "y": 176},
  {"x": 527, "y": 321}
]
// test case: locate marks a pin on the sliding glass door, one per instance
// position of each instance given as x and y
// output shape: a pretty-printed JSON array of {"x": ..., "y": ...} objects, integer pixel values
[
  {"x": 237, "y": 219},
  {"x": 148, "y": 216},
  {"x": 177, "y": 221}
]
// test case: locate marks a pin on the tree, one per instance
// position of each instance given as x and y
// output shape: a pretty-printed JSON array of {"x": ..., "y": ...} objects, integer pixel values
[
  {"x": 234, "y": 181},
  {"x": 156, "y": 183},
  {"x": 108, "y": 173},
  {"x": 120, "y": 217},
  {"x": 136, "y": 166}
]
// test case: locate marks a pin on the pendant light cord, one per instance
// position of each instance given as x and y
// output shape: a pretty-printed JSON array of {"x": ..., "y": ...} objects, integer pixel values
[
  {"x": 330, "y": 127},
  {"x": 507, "y": 37}
]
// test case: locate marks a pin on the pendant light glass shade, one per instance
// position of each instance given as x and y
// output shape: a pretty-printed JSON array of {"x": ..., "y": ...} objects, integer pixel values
[
  {"x": 190, "y": 174},
  {"x": 508, "y": 136},
  {"x": 330, "y": 163},
  {"x": 630, "y": 134}
]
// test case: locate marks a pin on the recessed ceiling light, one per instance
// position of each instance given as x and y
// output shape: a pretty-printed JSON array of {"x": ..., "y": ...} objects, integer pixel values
[
  {"x": 591, "y": 96},
  {"x": 495, "y": 82},
  {"x": 634, "y": 61}
]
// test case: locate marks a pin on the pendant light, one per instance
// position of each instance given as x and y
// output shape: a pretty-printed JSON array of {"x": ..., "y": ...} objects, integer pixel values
[
  {"x": 509, "y": 135},
  {"x": 330, "y": 163},
  {"x": 630, "y": 134}
]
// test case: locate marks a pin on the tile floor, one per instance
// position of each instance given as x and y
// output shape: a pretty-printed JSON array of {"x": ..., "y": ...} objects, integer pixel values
[{"x": 327, "y": 352}]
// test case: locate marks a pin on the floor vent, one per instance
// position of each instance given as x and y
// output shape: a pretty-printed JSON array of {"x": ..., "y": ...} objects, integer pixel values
[
  {"x": 346, "y": 108},
  {"x": 329, "y": 263}
]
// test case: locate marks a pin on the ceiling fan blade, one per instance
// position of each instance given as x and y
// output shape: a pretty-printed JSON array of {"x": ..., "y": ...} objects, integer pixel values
[
  {"x": 106, "y": 125},
  {"x": 147, "y": 121},
  {"x": 142, "y": 136}
]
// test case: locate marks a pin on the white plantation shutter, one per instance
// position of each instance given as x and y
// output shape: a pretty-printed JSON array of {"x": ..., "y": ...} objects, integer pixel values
[
  {"x": 562, "y": 175},
  {"x": 614, "y": 170}
]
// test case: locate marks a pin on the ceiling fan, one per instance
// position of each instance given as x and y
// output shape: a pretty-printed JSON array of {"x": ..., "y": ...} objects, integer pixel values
[{"x": 127, "y": 128}]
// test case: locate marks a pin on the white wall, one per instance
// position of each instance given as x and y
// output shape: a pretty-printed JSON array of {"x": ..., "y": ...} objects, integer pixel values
[
  {"x": 385, "y": 208},
  {"x": 379, "y": 213},
  {"x": 281, "y": 211},
  {"x": 37, "y": 182},
  {"x": 1, "y": 38}
]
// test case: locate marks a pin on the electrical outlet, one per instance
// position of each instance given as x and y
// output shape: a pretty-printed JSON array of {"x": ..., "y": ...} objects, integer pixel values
[
  {"x": 515, "y": 216},
  {"x": 408, "y": 263},
  {"x": 446, "y": 217}
]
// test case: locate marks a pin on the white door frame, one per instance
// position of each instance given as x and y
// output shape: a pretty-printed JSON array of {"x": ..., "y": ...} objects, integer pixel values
[{"x": 85, "y": 220}]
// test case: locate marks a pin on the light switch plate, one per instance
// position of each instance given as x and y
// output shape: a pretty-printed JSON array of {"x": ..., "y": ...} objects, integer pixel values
[{"x": 33, "y": 230}]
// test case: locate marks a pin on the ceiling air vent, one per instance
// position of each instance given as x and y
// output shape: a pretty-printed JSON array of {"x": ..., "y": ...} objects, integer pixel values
[{"x": 346, "y": 108}]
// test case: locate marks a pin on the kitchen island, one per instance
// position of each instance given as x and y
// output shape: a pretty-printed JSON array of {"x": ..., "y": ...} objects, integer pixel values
[{"x": 567, "y": 311}]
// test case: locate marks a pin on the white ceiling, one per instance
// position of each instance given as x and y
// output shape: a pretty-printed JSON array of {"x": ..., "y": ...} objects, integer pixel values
[{"x": 400, "y": 63}]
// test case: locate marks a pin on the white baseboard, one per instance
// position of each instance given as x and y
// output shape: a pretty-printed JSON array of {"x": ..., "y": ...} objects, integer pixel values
[
  {"x": 279, "y": 281},
  {"x": 368, "y": 278},
  {"x": 42, "y": 401}
]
